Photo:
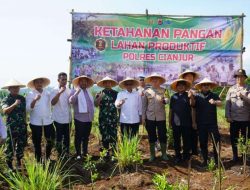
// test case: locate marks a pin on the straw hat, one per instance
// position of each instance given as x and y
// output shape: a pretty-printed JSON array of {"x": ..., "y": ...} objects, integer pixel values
[
  {"x": 46, "y": 82},
  {"x": 101, "y": 82},
  {"x": 135, "y": 83},
  {"x": 12, "y": 83},
  {"x": 196, "y": 75},
  {"x": 155, "y": 75},
  {"x": 175, "y": 82},
  {"x": 76, "y": 81},
  {"x": 205, "y": 81}
]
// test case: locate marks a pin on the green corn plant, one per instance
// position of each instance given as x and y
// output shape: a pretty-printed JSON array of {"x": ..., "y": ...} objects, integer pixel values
[
  {"x": 40, "y": 176},
  {"x": 217, "y": 176},
  {"x": 91, "y": 167},
  {"x": 244, "y": 149},
  {"x": 127, "y": 152},
  {"x": 160, "y": 183}
]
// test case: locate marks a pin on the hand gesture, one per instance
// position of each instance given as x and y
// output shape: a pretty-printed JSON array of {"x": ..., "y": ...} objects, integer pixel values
[
  {"x": 190, "y": 94},
  {"x": 122, "y": 101},
  {"x": 212, "y": 101},
  {"x": 62, "y": 89},
  {"x": 38, "y": 96},
  {"x": 229, "y": 120},
  {"x": 239, "y": 94},
  {"x": 78, "y": 90},
  {"x": 17, "y": 102}
]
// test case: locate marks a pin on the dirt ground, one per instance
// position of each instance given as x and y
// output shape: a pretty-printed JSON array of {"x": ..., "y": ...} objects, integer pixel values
[{"x": 141, "y": 177}]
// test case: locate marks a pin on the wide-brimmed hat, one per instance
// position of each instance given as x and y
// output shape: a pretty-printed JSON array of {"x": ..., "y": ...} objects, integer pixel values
[
  {"x": 13, "y": 83},
  {"x": 101, "y": 82},
  {"x": 46, "y": 82},
  {"x": 75, "y": 81},
  {"x": 188, "y": 71},
  {"x": 240, "y": 72},
  {"x": 175, "y": 82},
  {"x": 155, "y": 75},
  {"x": 128, "y": 79},
  {"x": 205, "y": 81}
]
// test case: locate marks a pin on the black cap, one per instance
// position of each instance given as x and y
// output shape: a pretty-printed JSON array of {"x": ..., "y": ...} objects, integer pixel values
[{"x": 240, "y": 72}]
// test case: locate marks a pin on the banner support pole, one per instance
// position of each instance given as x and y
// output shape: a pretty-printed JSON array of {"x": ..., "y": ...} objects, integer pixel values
[
  {"x": 242, "y": 36},
  {"x": 70, "y": 57}
]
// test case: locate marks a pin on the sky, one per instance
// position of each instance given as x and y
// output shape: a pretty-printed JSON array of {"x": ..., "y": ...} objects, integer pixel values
[{"x": 33, "y": 34}]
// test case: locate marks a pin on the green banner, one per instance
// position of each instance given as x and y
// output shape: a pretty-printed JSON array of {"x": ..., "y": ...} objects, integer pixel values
[{"x": 122, "y": 46}]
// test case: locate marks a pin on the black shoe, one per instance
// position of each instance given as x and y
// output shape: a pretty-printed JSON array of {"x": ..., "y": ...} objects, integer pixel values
[
  {"x": 9, "y": 163},
  {"x": 177, "y": 160},
  {"x": 204, "y": 164},
  {"x": 235, "y": 159},
  {"x": 195, "y": 153}
]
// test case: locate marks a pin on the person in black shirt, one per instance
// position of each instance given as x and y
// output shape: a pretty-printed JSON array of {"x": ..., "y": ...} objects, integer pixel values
[
  {"x": 180, "y": 118},
  {"x": 205, "y": 104}
]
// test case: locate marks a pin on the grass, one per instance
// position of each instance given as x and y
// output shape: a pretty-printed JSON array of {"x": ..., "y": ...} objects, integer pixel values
[
  {"x": 127, "y": 153},
  {"x": 46, "y": 176},
  {"x": 3, "y": 165}
]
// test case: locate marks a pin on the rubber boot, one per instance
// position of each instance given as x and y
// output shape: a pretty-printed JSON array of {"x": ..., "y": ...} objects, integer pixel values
[
  {"x": 163, "y": 151},
  {"x": 152, "y": 152}
]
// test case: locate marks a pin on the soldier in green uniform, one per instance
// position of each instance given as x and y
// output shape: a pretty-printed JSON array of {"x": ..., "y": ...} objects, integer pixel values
[
  {"x": 14, "y": 108},
  {"x": 108, "y": 113}
]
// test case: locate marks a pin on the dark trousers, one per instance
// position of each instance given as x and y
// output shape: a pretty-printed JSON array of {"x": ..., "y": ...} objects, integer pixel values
[
  {"x": 82, "y": 132},
  {"x": 129, "y": 129},
  {"x": 237, "y": 127},
  {"x": 204, "y": 131},
  {"x": 194, "y": 140},
  {"x": 160, "y": 127},
  {"x": 16, "y": 141},
  {"x": 62, "y": 137},
  {"x": 49, "y": 133},
  {"x": 182, "y": 132}
]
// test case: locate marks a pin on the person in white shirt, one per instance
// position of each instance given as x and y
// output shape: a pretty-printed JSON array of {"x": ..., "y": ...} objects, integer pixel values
[
  {"x": 38, "y": 104},
  {"x": 130, "y": 105},
  {"x": 61, "y": 114}
]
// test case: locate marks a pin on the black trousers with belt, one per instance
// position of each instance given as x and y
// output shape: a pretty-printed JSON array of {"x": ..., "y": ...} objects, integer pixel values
[
  {"x": 62, "y": 137},
  {"x": 182, "y": 132},
  {"x": 129, "y": 129},
  {"x": 204, "y": 131},
  {"x": 82, "y": 132},
  {"x": 37, "y": 132},
  {"x": 158, "y": 127}
]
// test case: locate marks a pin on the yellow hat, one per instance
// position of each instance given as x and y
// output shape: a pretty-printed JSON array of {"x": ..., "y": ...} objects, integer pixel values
[
  {"x": 196, "y": 75},
  {"x": 46, "y": 82},
  {"x": 206, "y": 81},
  {"x": 101, "y": 82},
  {"x": 155, "y": 75},
  {"x": 135, "y": 84},
  {"x": 175, "y": 82},
  {"x": 89, "y": 81},
  {"x": 13, "y": 83}
]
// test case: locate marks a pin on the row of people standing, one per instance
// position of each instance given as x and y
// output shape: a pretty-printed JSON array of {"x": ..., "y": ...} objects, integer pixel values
[{"x": 147, "y": 106}]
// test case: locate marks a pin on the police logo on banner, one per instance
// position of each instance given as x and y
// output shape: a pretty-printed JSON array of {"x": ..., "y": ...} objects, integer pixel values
[{"x": 100, "y": 44}]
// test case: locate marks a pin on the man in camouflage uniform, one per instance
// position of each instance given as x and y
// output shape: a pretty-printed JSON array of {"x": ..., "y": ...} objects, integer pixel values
[
  {"x": 14, "y": 108},
  {"x": 237, "y": 110}
]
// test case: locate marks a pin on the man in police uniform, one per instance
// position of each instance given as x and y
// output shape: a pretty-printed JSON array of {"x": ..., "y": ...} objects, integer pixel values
[{"x": 237, "y": 110}]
